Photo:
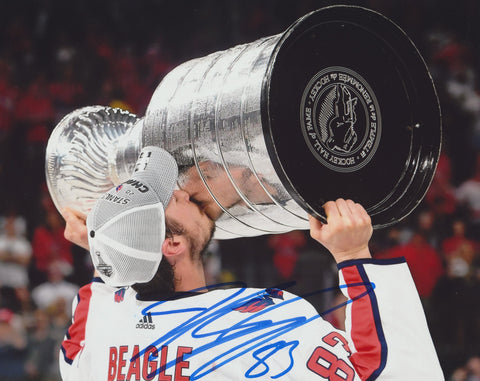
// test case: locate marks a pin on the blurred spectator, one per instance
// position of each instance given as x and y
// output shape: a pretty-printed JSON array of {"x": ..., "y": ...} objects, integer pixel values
[
  {"x": 50, "y": 246},
  {"x": 395, "y": 235},
  {"x": 460, "y": 77},
  {"x": 65, "y": 52},
  {"x": 429, "y": 227},
  {"x": 455, "y": 314},
  {"x": 126, "y": 77},
  {"x": 459, "y": 374},
  {"x": 15, "y": 255},
  {"x": 55, "y": 291},
  {"x": 20, "y": 221},
  {"x": 12, "y": 347},
  {"x": 473, "y": 368},
  {"x": 157, "y": 62},
  {"x": 35, "y": 111},
  {"x": 25, "y": 307},
  {"x": 468, "y": 372},
  {"x": 461, "y": 81},
  {"x": 34, "y": 115},
  {"x": 110, "y": 94},
  {"x": 420, "y": 255},
  {"x": 286, "y": 250},
  {"x": 66, "y": 91},
  {"x": 42, "y": 358},
  {"x": 8, "y": 96},
  {"x": 468, "y": 194},
  {"x": 440, "y": 197},
  {"x": 458, "y": 245}
]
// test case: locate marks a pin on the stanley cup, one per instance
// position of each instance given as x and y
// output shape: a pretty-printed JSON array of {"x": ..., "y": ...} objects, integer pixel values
[{"x": 339, "y": 105}]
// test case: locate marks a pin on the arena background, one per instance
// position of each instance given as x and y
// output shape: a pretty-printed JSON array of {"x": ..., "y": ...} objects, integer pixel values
[{"x": 56, "y": 56}]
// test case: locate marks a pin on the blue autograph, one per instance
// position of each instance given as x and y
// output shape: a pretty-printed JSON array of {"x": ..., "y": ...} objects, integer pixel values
[{"x": 261, "y": 346}]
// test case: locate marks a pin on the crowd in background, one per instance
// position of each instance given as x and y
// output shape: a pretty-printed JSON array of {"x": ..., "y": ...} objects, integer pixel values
[{"x": 56, "y": 56}]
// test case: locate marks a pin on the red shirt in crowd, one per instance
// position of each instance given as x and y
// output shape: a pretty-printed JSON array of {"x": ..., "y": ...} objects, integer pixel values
[
  {"x": 49, "y": 244},
  {"x": 423, "y": 260}
]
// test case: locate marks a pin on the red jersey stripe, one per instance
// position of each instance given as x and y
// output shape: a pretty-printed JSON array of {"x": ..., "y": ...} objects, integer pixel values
[
  {"x": 72, "y": 344},
  {"x": 367, "y": 333}
]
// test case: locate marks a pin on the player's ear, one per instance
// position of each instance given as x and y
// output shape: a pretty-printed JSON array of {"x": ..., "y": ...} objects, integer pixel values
[{"x": 174, "y": 246}]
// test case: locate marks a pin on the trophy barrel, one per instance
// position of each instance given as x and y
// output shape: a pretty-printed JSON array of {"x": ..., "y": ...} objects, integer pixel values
[{"x": 339, "y": 105}]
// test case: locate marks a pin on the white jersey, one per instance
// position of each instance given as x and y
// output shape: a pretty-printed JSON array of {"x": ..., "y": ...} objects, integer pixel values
[{"x": 259, "y": 334}]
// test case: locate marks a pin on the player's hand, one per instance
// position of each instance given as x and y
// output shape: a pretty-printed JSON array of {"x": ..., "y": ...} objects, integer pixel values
[
  {"x": 76, "y": 227},
  {"x": 347, "y": 231}
]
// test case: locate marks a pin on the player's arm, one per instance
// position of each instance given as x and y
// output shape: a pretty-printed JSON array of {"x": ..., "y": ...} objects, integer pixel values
[{"x": 386, "y": 326}]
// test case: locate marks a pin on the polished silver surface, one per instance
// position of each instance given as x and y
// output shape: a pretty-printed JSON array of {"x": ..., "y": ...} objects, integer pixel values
[
  {"x": 78, "y": 161},
  {"x": 206, "y": 112}
]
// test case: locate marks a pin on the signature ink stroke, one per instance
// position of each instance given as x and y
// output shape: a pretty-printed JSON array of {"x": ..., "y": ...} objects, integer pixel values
[{"x": 199, "y": 323}]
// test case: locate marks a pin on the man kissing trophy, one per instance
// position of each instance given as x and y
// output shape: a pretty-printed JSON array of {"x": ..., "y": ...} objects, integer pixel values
[
  {"x": 338, "y": 107},
  {"x": 341, "y": 104}
]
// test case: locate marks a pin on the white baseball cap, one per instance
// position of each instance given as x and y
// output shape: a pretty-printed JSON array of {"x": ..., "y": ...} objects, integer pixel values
[{"x": 126, "y": 227}]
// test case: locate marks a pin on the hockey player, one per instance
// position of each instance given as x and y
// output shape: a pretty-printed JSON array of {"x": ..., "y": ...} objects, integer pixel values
[{"x": 175, "y": 327}]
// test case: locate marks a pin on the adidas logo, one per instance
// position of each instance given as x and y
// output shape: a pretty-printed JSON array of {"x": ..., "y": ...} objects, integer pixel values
[{"x": 146, "y": 322}]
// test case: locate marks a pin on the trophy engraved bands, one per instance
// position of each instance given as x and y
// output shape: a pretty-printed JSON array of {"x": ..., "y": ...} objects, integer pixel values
[{"x": 339, "y": 105}]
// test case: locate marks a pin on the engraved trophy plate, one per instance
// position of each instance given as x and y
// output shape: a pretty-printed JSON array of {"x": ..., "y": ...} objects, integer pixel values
[{"x": 339, "y": 105}]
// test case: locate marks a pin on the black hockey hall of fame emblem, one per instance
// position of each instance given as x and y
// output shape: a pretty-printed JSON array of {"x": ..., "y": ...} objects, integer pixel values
[{"x": 340, "y": 119}]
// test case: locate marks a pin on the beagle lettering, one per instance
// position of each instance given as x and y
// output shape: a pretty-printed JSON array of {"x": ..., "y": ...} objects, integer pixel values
[{"x": 150, "y": 366}]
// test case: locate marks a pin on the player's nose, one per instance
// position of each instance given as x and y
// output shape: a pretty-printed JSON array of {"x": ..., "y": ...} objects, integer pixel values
[{"x": 181, "y": 195}]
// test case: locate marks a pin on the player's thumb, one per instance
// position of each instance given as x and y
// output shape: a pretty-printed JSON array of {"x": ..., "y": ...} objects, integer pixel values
[{"x": 316, "y": 228}]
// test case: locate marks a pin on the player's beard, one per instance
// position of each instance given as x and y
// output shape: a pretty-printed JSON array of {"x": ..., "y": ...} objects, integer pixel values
[{"x": 162, "y": 282}]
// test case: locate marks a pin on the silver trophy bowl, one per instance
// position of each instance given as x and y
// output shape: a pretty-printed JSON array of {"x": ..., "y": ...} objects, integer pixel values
[
  {"x": 339, "y": 105},
  {"x": 77, "y": 164}
]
